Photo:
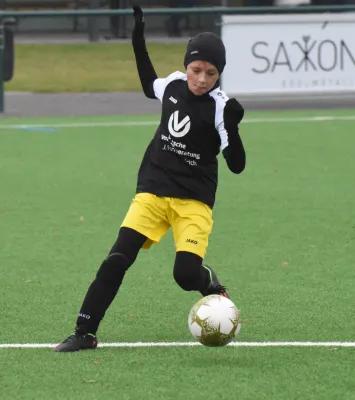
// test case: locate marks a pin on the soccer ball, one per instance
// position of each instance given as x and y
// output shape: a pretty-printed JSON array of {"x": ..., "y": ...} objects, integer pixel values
[{"x": 214, "y": 320}]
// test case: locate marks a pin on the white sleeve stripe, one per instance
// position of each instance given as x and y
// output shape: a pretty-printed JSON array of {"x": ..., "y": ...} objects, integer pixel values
[
  {"x": 220, "y": 98},
  {"x": 223, "y": 135}
]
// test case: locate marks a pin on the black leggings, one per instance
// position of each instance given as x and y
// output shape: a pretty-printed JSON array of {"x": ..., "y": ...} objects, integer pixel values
[
  {"x": 187, "y": 267},
  {"x": 188, "y": 273}
]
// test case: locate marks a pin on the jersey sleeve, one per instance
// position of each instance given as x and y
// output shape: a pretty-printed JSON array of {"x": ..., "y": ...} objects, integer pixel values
[
  {"x": 160, "y": 84},
  {"x": 231, "y": 142}
]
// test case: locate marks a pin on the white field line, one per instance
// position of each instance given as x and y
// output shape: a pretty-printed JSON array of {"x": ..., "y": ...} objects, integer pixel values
[
  {"x": 187, "y": 344},
  {"x": 97, "y": 124}
]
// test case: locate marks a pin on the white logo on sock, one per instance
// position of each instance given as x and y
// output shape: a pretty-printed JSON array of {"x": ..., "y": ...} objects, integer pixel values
[{"x": 84, "y": 316}]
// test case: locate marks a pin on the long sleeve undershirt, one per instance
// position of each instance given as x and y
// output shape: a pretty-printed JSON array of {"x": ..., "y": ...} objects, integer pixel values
[
  {"x": 234, "y": 153},
  {"x": 146, "y": 71}
]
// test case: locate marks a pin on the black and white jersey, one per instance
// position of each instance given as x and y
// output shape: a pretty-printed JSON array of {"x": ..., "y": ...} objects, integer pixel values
[{"x": 181, "y": 160}]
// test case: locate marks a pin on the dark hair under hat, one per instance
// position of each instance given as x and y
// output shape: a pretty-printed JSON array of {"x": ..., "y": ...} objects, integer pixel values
[{"x": 208, "y": 47}]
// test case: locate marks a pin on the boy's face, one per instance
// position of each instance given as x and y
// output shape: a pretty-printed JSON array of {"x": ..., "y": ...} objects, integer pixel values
[{"x": 201, "y": 77}]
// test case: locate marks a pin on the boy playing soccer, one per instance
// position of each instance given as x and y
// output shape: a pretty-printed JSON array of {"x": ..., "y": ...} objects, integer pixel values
[{"x": 177, "y": 179}]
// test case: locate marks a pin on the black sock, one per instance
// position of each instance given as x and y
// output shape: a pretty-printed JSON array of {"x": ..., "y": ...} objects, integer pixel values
[
  {"x": 101, "y": 292},
  {"x": 108, "y": 280}
]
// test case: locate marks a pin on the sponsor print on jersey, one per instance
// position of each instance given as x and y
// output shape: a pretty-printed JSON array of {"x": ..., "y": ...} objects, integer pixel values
[
  {"x": 179, "y": 128},
  {"x": 180, "y": 149}
]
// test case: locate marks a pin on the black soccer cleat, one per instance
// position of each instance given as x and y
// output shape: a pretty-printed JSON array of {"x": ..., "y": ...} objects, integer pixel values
[
  {"x": 214, "y": 286},
  {"x": 76, "y": 342}
]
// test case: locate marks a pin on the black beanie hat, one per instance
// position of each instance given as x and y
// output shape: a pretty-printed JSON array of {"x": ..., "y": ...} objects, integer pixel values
[{"x": 208, "y": 47}]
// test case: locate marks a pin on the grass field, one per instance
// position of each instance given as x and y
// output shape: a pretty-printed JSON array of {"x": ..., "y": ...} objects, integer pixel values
[
  {"x": 283, "y": 243},
  {"x": 87, "y": 67}
]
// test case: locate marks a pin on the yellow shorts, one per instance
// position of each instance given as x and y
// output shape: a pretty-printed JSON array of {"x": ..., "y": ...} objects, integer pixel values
[{"x": 190, "y": 220}]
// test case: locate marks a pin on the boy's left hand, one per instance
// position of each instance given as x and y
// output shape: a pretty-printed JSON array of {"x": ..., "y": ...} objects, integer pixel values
[{"x": 233, "y": 114}]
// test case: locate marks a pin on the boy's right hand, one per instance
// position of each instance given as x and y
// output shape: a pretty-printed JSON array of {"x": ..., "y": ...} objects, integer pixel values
[{"x": 138, "y": 30}]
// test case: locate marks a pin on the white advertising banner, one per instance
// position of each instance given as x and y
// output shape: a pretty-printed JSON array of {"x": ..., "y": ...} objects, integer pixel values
[{"x": 275, "y": 54}]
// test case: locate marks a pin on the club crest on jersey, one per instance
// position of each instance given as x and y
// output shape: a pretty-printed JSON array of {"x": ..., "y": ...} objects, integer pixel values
[{"x": 178, "y": 128}]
